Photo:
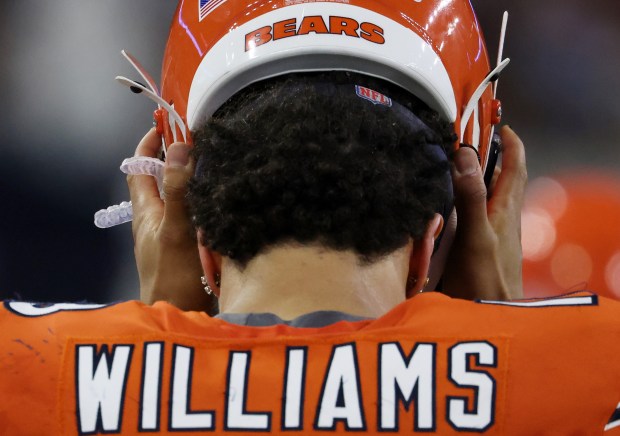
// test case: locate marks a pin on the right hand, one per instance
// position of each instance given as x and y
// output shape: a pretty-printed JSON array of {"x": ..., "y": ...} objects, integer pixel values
[{"x": 485, "y": 258}]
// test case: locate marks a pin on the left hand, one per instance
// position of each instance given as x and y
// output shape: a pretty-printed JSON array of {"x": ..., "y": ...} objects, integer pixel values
[{"x": 165, "y": 243}]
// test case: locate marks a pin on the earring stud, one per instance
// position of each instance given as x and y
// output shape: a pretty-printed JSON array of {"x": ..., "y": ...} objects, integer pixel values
[
  {"x": 428, "y": 279},
  {"x": 205, "y": 283},
  {"x": 411, "y": 282}
]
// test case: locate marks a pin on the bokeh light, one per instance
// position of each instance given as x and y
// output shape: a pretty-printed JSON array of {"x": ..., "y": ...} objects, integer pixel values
[{"x": 571, "y": 234}]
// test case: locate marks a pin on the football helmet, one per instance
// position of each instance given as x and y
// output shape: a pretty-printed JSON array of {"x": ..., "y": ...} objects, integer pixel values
[
  {"x": 570, "y": 237},
  {"x": 433, "y": 49}
]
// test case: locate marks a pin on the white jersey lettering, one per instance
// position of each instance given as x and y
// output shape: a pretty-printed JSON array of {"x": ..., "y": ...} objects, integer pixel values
[
  {"x": 480, "y": 415},
  {"x": 294, "y": 384},
  {"x": 181, "y": 418},
  {"x": 101, "y": 380},
  {"x": 341, "y": 395},
  {"x": 151, "y": 386},
  {"x": 37, "y": 309},
  {"x": 407, "y": 379},
  {"x": 237, "y": 417},
  {"x": 404, "y": 377}
]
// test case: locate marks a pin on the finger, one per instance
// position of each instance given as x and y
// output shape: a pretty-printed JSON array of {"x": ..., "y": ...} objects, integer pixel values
[
  {"x": 143, "y": 189},
  {"x": 150, "y": 144},
  {"x": 510, "y": 187},
  {"x": 177, "y": 172},
  {"x": 497, "y": 171},
  {"x": 470, "y": 194}
]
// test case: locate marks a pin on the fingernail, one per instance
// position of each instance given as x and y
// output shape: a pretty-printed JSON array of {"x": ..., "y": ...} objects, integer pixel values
[
  {"x": 178, "y": 155},
  {"x": 465, "y": 161}
]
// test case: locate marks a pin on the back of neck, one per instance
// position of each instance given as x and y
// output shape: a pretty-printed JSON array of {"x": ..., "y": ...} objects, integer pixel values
[{"x": 292, "y": 280}]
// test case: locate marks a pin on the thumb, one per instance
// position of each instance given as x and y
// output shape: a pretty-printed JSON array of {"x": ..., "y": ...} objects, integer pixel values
[
  {"x": 177, "y": 172},
  {"x": 469, "y": 189}
]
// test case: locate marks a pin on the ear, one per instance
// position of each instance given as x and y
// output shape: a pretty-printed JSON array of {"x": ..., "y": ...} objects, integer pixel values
[
  {"x": 211, "y": 264},
  {"x": 421, "y": 252}
]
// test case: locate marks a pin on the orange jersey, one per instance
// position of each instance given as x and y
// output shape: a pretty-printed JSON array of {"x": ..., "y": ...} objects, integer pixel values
[{"x": 432, "y": 364}]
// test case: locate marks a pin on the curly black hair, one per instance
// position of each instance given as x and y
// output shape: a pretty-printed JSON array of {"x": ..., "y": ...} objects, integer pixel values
[{"x": 281, "y": 162}]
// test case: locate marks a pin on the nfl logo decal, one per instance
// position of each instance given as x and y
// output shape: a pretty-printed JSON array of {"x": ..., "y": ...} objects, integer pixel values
[
  {"x": 373, "y": 96},
  {"x": 205, "y": 7}
]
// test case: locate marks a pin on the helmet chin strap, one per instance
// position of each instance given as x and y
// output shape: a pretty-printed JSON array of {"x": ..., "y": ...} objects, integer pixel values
[
  {"x": 142, "y": 71},
  {"x": 492, "y": 77},
  {"x": 139, "y": 88},
  {"x": 152, "y": 92},
  {"x": 500, "y": 51},
  {"x": 141, "y": 165},
  {"x": 475, "y": 98}
]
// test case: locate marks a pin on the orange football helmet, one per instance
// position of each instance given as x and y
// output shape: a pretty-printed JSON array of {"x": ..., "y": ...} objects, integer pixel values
[
  {"x": 571, "y": 238},
  {"x": 433, "y": 49}
]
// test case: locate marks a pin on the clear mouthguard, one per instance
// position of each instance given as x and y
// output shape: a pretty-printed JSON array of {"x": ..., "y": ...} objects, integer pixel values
[
  {"x": 123, "y": 213},
  {"x": 114, "y": 215}
]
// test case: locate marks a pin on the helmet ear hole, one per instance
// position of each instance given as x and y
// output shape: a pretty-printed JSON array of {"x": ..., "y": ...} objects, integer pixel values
[
  {"x": 496, "y": 112},
  {"x": 493, "y": 157}
]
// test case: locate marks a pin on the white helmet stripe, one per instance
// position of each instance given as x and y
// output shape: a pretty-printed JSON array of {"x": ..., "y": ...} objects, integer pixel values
[{"x": 397, "y": 55}]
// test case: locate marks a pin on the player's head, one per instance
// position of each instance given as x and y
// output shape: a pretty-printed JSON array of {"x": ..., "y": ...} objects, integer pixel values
[
  {"x": 336, "y": 159},
  {"x": 427, "y": 49}
]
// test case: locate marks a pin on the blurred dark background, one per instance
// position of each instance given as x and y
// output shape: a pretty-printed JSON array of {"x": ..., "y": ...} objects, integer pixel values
[{"x": 66, "y": 125}]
